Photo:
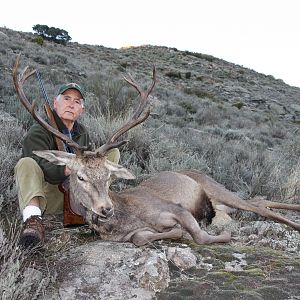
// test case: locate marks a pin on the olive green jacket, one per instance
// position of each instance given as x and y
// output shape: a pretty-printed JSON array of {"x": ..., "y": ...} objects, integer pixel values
[{"x": 39, "y": 138}]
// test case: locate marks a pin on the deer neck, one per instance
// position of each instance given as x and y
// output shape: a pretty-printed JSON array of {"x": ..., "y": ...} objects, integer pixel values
[
  {"x": 113, "y": 196},
  {"x": 76, "y": 207}
]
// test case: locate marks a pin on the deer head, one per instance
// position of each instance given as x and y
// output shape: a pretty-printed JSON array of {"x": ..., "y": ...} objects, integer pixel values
[
  {"x": 89, "y": 180},
  {"x": 90, "y": 170}
]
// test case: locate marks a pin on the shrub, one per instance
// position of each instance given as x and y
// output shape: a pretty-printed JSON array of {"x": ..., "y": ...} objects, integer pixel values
[
  {"x": 38, "y": 40},
  {"x": 110, "y": 96},
  {"x": 198, "y": 92},
  {"x": 209, "y": 58},
  {"x": 189, "y": 108},
  {"x": 238, "y": 105},
  {"x": 58, "y": 59},
  {"x": 188, "y": 75},
  {"x": 41, "y": 59},
  {"x": 10, "y": 136},
  {"x": 17, "y": 47},
  {"x": 173, "y": 74}
]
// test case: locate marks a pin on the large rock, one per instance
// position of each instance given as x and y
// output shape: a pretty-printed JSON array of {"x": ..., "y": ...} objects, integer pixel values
[{"x": 106, "y": 270}]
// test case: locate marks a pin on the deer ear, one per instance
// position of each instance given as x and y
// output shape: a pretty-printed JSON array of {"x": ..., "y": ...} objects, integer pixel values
[
  {"x": 56, "y": 157},
  {"x": 118, "y": 170}
]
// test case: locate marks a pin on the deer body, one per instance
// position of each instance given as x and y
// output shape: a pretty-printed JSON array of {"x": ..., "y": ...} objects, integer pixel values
[
  {"x": 154, "y": 209},
  {"x": 161, "y": 207}
]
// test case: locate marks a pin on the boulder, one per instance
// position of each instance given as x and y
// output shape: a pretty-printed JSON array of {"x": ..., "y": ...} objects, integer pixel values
[{"x": 107, "y": 270}]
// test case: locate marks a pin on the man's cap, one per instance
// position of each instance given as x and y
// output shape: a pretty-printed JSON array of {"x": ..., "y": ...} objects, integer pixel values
[{"x": 71, "y": 85}]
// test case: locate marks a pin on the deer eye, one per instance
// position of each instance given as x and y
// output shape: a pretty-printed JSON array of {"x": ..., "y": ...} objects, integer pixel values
[{"x": 80, "y": 177}]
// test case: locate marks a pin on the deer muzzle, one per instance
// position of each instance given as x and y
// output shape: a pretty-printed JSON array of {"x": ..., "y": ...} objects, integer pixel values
[{"x": 102, "y": 214}]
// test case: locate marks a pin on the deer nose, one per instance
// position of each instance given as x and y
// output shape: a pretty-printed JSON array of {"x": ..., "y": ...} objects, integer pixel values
[{"x": 107, "y": 211}]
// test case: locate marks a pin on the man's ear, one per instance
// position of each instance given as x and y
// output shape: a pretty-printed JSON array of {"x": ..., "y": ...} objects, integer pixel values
[{"x": 82, "y": 110}]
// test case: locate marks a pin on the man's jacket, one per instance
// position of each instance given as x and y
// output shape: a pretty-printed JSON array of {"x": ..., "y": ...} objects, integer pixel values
[{"x": 39, "y": 138}]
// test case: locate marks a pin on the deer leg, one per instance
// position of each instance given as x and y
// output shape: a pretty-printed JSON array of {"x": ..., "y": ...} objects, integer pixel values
[
  {"x": 190, "y": 224},
  {"x": 271, "y": 204},
  {"x": 261, "y": 210},
  {"x": 219, "y": 193},
  {"x": 277, "y": 217},
  {"x": 144, "y": 237}
]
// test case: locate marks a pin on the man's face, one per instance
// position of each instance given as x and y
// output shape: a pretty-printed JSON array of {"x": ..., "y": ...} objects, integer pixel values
[{"x": 69, "y": 105}]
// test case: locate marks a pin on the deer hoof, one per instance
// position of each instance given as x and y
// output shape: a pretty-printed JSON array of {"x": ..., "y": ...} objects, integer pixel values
[{"x": 226, "y": 236}]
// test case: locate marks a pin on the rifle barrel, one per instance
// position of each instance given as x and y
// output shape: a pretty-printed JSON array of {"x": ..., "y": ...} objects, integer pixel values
[{"x": 39, "y": 77}]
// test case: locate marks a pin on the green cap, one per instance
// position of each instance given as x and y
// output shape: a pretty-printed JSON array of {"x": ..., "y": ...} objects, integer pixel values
[{"x": 71, "y": 85}]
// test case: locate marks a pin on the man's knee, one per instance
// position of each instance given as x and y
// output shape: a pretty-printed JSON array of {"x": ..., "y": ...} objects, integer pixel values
[
  {"x": 28, "y": 173},
  {"x": 27, "y": 163}
]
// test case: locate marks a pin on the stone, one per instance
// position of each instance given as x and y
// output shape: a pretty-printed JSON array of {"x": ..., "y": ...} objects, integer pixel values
[
  {"x": 183, "y": 258},
  {"x": 108, "y": 270}
]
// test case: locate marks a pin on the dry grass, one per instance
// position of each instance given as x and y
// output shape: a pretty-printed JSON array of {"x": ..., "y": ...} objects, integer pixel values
[
  {"x": 191, "y": 126},
  {"x": 20, "y": 278}
]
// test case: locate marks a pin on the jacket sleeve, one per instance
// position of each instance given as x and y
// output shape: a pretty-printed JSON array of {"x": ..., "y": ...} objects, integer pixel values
[{"x": 38, "y": 138}]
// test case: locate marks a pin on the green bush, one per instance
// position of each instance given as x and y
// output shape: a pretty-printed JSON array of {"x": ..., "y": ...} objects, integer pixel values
[
  {"x": 238, "y": 105},
  {"x": 38, "y": 40}
]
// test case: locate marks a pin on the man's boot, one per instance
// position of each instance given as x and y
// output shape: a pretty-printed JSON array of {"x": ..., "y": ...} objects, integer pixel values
[{"x": 33, "y": 232}]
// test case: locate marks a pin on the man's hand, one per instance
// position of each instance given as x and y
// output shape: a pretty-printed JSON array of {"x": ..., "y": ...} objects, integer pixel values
[{"x": 67, "y": 171}]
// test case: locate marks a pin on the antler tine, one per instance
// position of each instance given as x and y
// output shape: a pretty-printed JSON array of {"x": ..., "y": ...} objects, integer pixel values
[
  {"x": 136, "y": 118},
  {"x": 144, "y": 94},
  {"x": 132, "y": 82},
  {"x": 19, "y": 80}
]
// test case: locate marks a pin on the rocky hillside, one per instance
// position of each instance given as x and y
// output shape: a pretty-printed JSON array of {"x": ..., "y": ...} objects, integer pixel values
[
  {"x": 190, "y": 76},
  {"x": 239, "y": 126}
]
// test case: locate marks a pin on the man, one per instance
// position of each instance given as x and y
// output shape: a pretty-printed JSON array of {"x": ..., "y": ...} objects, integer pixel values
[{"x": 37, "y": 179}]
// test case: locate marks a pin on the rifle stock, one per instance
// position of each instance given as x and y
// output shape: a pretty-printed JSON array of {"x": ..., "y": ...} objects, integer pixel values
[
  {"x": 70, "y": 217},
  {"x": 59, "y": 143}
]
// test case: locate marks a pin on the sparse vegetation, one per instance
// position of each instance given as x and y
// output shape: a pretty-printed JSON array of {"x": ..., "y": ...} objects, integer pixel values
[
  {"x": 19, "y": 278},
  {"x": 194, "y": 123}
]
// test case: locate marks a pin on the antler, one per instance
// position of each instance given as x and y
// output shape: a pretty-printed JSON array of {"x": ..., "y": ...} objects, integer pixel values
[
  {"x": 135, "y": 119},
  {"x": 19, "y": 80}
]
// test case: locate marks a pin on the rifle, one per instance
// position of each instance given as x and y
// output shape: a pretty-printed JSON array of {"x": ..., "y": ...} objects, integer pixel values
[
  {"x": 70, "y": 217},
  {"x": 48, "y": 110}
]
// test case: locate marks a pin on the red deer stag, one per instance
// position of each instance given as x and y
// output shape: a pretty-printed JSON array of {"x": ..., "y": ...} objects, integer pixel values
[{"x": 162, "y": 207}]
